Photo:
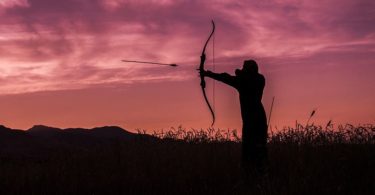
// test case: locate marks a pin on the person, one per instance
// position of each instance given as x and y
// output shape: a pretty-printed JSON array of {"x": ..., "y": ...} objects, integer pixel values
[{"x": 250, "y": 84}]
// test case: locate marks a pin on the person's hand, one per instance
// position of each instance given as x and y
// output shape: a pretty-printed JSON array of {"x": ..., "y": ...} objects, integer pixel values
[{"x": 203, "y": 72}]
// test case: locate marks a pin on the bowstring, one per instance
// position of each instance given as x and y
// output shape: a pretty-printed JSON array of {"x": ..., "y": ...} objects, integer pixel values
[{"x": 213, "y": 68}]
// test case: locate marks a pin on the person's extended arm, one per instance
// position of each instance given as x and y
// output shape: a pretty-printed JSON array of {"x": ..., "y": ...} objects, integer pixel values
[{"x": 223, "y": 77}]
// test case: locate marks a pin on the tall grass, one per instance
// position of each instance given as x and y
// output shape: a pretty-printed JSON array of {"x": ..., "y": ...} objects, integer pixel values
[
  {"x": 197, "y": 135},
  {"x": 299, "y": 135},
  {"x": 305, "y": 159},
  {"x": 319, "y": 135}
]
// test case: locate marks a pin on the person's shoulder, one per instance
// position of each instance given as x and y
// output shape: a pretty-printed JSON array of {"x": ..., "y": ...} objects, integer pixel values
[{"x": 261, "y": 79}]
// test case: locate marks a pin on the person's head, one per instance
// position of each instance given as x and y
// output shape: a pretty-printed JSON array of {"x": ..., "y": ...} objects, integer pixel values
[{"x": 249, "y": 67}]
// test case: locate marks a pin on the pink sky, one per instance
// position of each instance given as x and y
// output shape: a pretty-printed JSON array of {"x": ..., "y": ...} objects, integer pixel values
[{"x": 60, "y": 61}]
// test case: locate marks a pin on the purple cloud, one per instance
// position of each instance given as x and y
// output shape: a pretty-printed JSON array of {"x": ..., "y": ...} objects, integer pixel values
[{"x": 83, "y": 41}]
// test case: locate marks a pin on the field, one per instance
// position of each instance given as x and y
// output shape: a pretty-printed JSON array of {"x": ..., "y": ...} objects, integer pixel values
[{"x": 302, "y": 160}]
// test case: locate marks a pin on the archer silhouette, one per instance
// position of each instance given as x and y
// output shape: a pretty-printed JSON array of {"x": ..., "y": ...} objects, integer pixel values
[{"x": 249, "y": 84}]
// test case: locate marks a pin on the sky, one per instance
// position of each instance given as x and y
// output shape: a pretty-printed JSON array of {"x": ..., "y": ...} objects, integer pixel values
[{"x": 60, "y": 61}]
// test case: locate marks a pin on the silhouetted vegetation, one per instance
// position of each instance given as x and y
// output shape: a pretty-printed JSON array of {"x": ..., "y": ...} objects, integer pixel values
[{"x": 305, "y": 159}]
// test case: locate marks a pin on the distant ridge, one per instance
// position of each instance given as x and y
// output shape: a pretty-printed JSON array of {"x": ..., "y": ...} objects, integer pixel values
[
  {"x": 43, "y": 130},
  {"x": 4, "y": 129},
  {"x": 105, "y": 131},
  {"x": 66, "y": 135}
]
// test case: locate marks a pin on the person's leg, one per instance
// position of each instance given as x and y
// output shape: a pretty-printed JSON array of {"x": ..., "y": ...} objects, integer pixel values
[
  {"x": 246, "y": 154},
  {"x": 261, "y": 153}
]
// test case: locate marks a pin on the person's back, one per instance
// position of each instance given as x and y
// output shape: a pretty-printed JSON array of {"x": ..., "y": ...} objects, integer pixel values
[
  {"x": 254, "y": 131},
  {"x": 250, "y": 84},
  {"x": 250, "y": 88}
]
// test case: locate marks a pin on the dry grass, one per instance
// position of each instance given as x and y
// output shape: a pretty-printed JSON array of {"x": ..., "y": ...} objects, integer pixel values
[
  {"x": 300, "y": 134},
  {"x": 306, "y": 159}
]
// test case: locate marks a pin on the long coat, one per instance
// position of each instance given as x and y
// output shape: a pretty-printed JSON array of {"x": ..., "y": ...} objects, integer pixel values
[{"x": 250, "y": 88}]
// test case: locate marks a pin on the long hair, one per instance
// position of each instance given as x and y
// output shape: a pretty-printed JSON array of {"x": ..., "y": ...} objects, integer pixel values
[{"x": 250, "y": 67}]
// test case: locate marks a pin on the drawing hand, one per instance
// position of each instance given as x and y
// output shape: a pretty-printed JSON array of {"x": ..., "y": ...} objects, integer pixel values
[{"x": 202, "y": 72}]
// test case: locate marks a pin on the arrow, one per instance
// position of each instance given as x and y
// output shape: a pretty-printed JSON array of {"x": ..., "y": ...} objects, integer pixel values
[{"x": 143, "y": 62}]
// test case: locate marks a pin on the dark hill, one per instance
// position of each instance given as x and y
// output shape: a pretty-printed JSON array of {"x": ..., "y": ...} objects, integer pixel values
[
  {"x": 112, "y": 132},
  {"x": 42, "y": 128},
  {"x": 6, "y": 130},
  {"x": 106, "y": 132},
  {"x": 43, "y": 140}
]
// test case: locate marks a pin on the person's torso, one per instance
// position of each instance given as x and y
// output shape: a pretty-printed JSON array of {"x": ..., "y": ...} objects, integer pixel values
[{"x": 251, "y": 89}]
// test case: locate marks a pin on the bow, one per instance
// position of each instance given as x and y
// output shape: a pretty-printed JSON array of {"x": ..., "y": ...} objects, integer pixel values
[{"x": 201, "y": 69}]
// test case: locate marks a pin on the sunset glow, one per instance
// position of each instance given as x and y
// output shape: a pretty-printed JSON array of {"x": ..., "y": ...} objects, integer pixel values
[{"x": 60, "y": 61}]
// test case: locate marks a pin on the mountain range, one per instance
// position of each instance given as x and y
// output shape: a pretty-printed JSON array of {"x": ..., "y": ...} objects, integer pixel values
[{"x": 44, "y": 140}]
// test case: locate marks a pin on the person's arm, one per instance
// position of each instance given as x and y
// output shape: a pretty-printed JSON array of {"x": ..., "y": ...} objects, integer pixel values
[{"x": 222, "y": 77}]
